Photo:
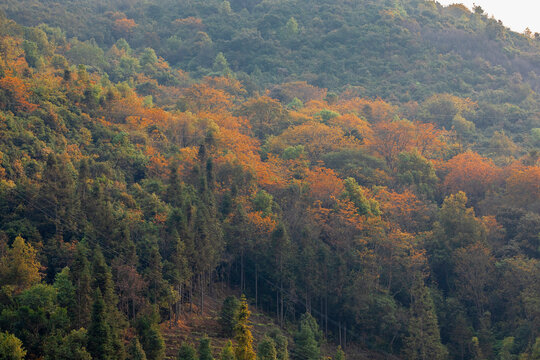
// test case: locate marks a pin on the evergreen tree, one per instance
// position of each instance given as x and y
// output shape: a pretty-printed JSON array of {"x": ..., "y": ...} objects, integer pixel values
[
  {"x": 424, "y": 340},
  {"x": 205, "y": 349},
  {"x": 135, "y": 350},
  {"x": 228, "y": 317},
  {"x": 340, "y": 355},
  {"x": 187, "y": 352},
  {"x": 82, "y": 280},
  {"x": 244, "y": 338},
  {"x": 228, "y": 352},
  {"x": 266, "y": 349},
  {"x": 150, "y": 338},
  {"x": 281, "y": 342},
  {"x": 305, "y": 344},
  {"x": 99, "y": 332}
]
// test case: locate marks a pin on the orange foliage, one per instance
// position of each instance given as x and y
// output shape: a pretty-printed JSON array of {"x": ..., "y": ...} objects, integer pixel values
[
  {"x": 372, "y": 110},
  {"x": 353, "y": 126},
  {"x": 191, "y": 22},
  {"x": 17, "y": 94},
  {"x": 202, "y": 97},
  {"x": 317, "y": 138},
  {"x": 404, "y": 209},
  {"x": 227, "y": 84},
  {"x": 301, "y": 90},
  {"x": 324, "y": 184},
  {"x": 263, "y": 225},
  {"x": 124, "y": 26},
  {"x": 523, "y": 186},
  {"x": 471, "y": 173}
]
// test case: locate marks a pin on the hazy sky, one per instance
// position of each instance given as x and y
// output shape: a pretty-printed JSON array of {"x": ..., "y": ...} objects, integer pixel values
[{"x": 515, "y": 14}]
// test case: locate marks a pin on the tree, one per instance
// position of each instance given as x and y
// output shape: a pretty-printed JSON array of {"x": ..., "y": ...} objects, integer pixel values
[
  {"x": 228, "y": 317},
  {"x": 99, "y": 331},
  {"x": 69, "y": 347},
  {"x": 205, "y": 349},
  {"x": 228, "y": 352},
  {"x": 150, "y": 337},
  {"x": 244, "y": 338},
  {"x": 187, "y": 352},
  {"x": 423, "y": 341},
  {"x": 266, "y": 349},
  {"x": 11, "y": 347},
  {"x": 19, "y": 267},
  {"x": 135, "y": 350},
  {"x": 340, "y": 355},
  {"x": 281, "y": 343},
  {"x": 305, "y": 341}
]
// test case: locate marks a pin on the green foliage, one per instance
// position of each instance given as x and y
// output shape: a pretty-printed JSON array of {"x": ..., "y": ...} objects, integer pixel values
[
  {"x": 423, "y": 340},
  {"x": 150, "y": 338},
  {"x": 135, "y": 350},
  {"x": 205, "y": 349},
  {"x": 340, "y": 355},
  {"x": 306, "y": 345},
  {"x": 228, "y": 317},
  {"x": 187, "y": 352},
  {"x": 11, "y": 347},
  {"x": 354, "y": 193},
  {"x": 266, "y": 349},
  {"x": 99, "y": 331},
  {"x": 72, "y": 346}
]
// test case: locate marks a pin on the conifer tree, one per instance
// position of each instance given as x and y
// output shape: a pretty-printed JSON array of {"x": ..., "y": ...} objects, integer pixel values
[
  {"x": 187, "y": 352},
  {"x": 228, "y": 352},
  {"x": 82, "y": 280},
  {"x": 305, "y": 344},
  {"x": 135, "y": 350},
  {"x": 150, "y": 338},
  {"x": 266, "y": 349},
  {"x": 282, "y": 351},
  {"x": 340, "y": 355},
  {"x": 244, "y": 338},
  {"x": 99, "y": 332},
  {"x": 205, "y": 349},
  {"x": 228, "y": 317},
  {"x": 424, "y": 340}
]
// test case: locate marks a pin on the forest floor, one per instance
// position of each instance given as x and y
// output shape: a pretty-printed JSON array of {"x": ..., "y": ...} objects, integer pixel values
[{"x": 194, "y": 324}]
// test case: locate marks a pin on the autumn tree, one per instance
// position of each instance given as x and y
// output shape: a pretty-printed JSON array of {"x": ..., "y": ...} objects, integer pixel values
[
  {"x": 11, "y": 348},
  {"x": 244, "y": 338},
  {"x": 19, "y": 267}
]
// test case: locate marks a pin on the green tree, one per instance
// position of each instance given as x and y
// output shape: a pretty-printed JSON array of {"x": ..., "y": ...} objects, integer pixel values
[
  {"x": 281, "y": 342},
  {"x": 306, "y": 346},
  {"x": 135, "y": 350},
  {"x": 187, "y": 352},
  {"x": 205, "y": 349},
  {"x": 228, "y": 316},
  {"x": 228, "y": 352},
  {"x": 99, "y": 332},
  {"x": 244, "y": 338},
  {"x": 423, "y": 341},
  {"x": 150, "y": 337},
  {"x": 266, "y": 349},
  {"x": 69, "y": 347},
  {"x": 340, "y": 355},
  {"x": 11, "y": 347},
  {"x": 221, "y": 66}
]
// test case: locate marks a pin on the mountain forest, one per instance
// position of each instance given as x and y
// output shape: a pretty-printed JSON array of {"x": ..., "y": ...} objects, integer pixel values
[{"x": 267, "y": 180}]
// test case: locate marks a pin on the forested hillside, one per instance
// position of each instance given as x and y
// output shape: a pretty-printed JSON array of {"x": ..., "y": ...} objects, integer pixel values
[{"x": 367, "y": 173}]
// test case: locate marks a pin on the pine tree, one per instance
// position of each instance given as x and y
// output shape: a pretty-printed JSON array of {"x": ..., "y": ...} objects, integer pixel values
[
  {"x": 340, "y": 355},
  {"x": 228, "y": 317},
  {"x": 305, "y": 344},
  {"x": 266, "y": 349},
  {"x": 82, "y": 280},
  {"x": 281, "y": 342},
  {"x": 99, "y": 332},
  {"x": 187, "y": 352},
  {"x": 135, "y": 350},
  {"x": 228, "y": 352},
  {"x": 244, "y": 338},
  {"x": 205, "y": 349},
  {"x": 150, "y": 337},
  {"x": 424, "y": 340}
]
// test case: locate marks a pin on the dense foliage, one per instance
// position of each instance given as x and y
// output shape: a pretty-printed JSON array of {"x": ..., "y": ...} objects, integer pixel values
[{"x": 148, "y": 153}]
